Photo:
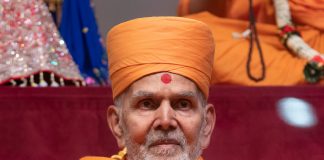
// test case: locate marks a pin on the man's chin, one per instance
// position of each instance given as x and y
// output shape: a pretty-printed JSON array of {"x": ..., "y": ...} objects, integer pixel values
[
  {"x": 166, "y": 154},
  {"x": 165, "y": 150}
]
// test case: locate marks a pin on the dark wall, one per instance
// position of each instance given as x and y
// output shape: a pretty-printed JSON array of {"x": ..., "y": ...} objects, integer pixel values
[{"x": 112, "y": 12}]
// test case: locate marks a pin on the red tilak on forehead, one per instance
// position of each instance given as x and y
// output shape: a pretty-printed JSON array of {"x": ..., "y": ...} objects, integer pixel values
[{"x": 166, "y": 78}]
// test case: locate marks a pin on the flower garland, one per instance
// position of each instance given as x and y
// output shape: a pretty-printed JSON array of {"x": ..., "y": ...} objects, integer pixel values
[
  {"x": 292, "y": 39},
  {"x": 121, "y": 155}
]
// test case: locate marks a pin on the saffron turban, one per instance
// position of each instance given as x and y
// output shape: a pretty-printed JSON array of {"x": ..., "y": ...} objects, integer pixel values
[{"x": 145, "y": 46}]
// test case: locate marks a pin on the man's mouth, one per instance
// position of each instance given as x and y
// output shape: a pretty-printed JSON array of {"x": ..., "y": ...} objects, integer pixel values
[
  {"x": 165, "y": 147},
  {"x": 165, "y": 143}
]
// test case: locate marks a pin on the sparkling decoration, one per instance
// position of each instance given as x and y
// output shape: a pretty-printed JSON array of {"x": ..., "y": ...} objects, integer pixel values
[
  {"x": 30, "y": 43},
  {"x": 85, "y": 30},
  {"x": 90, "y": 81}
]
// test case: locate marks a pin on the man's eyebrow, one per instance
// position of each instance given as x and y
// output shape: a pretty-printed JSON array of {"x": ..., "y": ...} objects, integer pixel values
[
  {"x": 188, "y": 94},
  {"x": 142, "y": 94}
]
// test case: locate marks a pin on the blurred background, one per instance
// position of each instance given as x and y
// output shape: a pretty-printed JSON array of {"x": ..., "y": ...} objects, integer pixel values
[
  {"x": 55, "y": 88},
  {"x": 112, "y": 12}
]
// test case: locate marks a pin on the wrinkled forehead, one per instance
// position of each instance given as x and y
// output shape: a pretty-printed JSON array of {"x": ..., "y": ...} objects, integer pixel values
[{"x": 164, "y": 83}]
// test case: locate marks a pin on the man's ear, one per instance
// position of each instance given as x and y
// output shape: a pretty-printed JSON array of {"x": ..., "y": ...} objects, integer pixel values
[
  {"x": 115, "y": 125},
  {"x": 207, "y": 130}
]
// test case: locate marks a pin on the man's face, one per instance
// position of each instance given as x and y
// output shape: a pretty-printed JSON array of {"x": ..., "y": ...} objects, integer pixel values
[{"x": 162, "y": 117}]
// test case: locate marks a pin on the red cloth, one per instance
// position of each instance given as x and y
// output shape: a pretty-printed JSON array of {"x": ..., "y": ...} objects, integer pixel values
[{"x": 69, "y": 123}]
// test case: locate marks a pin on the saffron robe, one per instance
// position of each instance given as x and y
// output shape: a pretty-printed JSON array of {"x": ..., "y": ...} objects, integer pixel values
[{"x": 282, "y": 66}]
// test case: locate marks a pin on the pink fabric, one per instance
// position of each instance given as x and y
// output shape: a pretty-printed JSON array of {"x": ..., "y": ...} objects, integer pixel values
[{"x": 68, "y": 123}]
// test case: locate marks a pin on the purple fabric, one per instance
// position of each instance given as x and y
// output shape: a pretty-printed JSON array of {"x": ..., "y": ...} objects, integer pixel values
[{"x": 68, "y": 123}]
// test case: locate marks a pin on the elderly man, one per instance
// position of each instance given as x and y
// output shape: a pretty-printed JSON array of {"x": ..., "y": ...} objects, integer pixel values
[{"x": 160, "y": 69}]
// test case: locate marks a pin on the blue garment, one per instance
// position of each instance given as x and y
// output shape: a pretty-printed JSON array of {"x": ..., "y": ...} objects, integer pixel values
[{"x": 80, "y": 32}]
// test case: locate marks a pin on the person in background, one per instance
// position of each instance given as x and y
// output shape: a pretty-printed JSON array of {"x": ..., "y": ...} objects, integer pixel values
[{"x": 263, "y": 42}]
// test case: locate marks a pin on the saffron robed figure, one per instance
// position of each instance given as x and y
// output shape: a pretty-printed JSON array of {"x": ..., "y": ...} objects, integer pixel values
[
  {"x": 160, "y": 69},
  {"x": 289, "y": 31}
]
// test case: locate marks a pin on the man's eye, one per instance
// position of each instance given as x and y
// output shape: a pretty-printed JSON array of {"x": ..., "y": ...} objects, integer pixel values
[
  {"x": 147, "y": 104},
  {"x": 183, "y": 104}
]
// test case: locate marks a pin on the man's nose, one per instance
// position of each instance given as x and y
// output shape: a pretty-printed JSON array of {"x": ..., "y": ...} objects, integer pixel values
[{"x": 165, "y": 117}]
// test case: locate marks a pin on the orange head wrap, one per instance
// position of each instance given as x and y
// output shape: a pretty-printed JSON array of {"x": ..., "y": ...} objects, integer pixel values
[{"x": 144, "y": 46}]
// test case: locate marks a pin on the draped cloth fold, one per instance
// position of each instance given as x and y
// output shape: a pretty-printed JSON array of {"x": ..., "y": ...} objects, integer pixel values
[
  {"x": 304, "y": 12},
  {"x": 283, "y": 66},
  {"x": 308, "y": 12},
  {"x": 150, "y": 45}
]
